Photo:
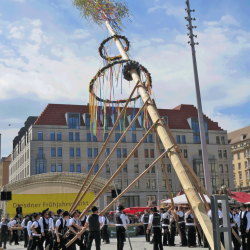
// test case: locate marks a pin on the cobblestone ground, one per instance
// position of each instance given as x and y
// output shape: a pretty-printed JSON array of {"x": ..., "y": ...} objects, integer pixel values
[{"x": 138, "y": 243}]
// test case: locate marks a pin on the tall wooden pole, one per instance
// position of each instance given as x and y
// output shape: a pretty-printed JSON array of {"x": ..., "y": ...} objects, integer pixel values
[{"x": 195, "y": 200}]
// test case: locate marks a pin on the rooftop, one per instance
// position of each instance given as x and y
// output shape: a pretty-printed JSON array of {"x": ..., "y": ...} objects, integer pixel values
[
  {"x": 239, "y": 135},
  {"x": 54, "y": 114}
]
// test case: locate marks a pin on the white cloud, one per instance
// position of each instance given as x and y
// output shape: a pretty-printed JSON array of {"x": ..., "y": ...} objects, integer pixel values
[
  {"x": 9, "y": 52},
  {"x": 16, "y": 33},
  {"x": 157, "y": 40},
  {"x": 229, "y": 20},
  {"x": 36, "y": 35},
  {"x": 36, "y": 23},
  {"x": 80, "y": 34}
]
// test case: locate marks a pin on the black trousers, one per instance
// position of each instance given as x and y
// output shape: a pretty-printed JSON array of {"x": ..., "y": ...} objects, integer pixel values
[
  {"x": 35, "y": 243},
  {"x": 235, "y": 241},
  {"x": 191, "y": 241},
  {"x": 157, "y": 238},
  {"x": 105, "y": 233},
  {"x": 25, "y": 237},
  {"x": 172, "y": 234},
  {"x": 166, "y": 235},
  {"x": 199, "y": 236},
  {"x": 46, "y": 239},
  {"x": 78, "y": 242},
  {"x": 51, "y": 240},
  {"x": 245, "y": 237},
  {"x": 120, "y": 235},
  {"x": 182, "y": 228},
  {"x": 147, "y": 235},
  {"x": 4, "y": 236},
  {"x": 94, "y": 235},
  {"x": 15, "y": 237},
  {"x": 85, "y": 239},
  {"x": 61, "y": 244}
]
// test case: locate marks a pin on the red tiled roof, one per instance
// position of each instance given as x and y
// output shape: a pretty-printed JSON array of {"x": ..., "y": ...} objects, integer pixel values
[{"x": 54, "y": 114}]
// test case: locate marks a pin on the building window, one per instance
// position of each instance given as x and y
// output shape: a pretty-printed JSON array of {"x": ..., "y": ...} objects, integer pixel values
[
  {"x": 125, "y": 169},
  {"x": 59, "y": 152},
  {"x": 71, "y": 152},
  {"x": 226, "y": 168},
  {"x": 40, "y": 136},
  {"x": 222, "y": 182},
  {"x": 217, "y": 140},
  {"x": 150, "y": 138},
  {"x": 220, "y": 154},
  {"x": 52, "y": 136},
  {"x": 164, "y": 184},
  {"x": 247, "y": 175},
  {"x": 153, "y": 170},
  {"x": 238, "y": 156},
  {"x": 240, "y": 174},
  {"x": 136, "y": 168},
  {"x": 245, "y": 154},
  {"x": 40, "y": 153},
  {"x": 72, "y": 168},
  {"x": 77, "y": 136},
  {"x": 53, "y": 152},
  {"x": 106, "y": 152},
  {"x": 96, "y": 168},
  {"x": 196, "y": 130},
  {"x": 152, "y": 155},
  {"x": 234, "y": 178},
  {"x": 105, "y": 136},
  {"x": 118, "y": 152},
  {"x": 146, "y": 140},
  {"x": 78, "y": 154},
  {"x": 95, "y": 152},
  {"x": 53, "y": 167},
  {"x": 58, "y": 136},
  {"x": 117, "y": 137},
  {"x": 133, "y": 137},
  {"x": 169, "y": 168},
  {"x": 232, "y": 157},
  {"x": 222, "y": 140},
  {"x": 152, "y": 198},
  {"x": 221, "y": 168},
  {"x": 89, "y": 166},
  {"x": 137, "y": 185},
  {"x": 170, "y": 183},
  {"x": 88, "y": 123},
  {"x": 124, "y": 153},
  {"x": 136, "y": 154},
  {"x": 183, "y": 138},
  {"x": 245, "y": 164},
  {"x": 178, "y": 139},
  {"x": 146, "y": 153},
  {"x": 185, "y": 153},
  {"x": 225, "y": 154},
  {"x": 94, "y": 138},
  {"x": 74, "y": 121},
  {"x": 88, "y": 137},
  {"x": 89, "y": 152},
  {"x": 59, "y": 167},
  {"x": 78, "y": 168},
  {"x": 119, "y": 183},
  {"x": 107, "y": 168},
  {"x": 125, "y": 183},
  {"x": 239, "y": 166},
  {"x": 233, "y": 167},
  {"x": 146, "y": 166},
  {"x": 153, "y": 184},
  {"x": 71, "y": 136}
]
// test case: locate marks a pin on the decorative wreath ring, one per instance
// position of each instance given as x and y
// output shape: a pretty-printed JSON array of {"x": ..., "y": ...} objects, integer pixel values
[
  {"x": 110, "y": 38},
  {"x": 102, "y": 71}
]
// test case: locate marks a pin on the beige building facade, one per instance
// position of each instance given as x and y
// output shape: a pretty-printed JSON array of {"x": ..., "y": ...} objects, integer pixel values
[
  {"x": 60, "y": 141},
  {"x": 239, "y": 141}
]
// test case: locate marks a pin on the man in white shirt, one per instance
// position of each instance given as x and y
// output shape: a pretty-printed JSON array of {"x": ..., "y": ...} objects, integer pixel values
[
  {"x": 234, "y": 227},
  {"x": 15, "y": 223},
  {"x": 30, "y": 222},
  {"x": 85, "y": 234},
  {"x": 4, "y": 225},
  {"x": 36, "y": 232},
  {"x": 44, "y": 224},
  {"x": 182, "y": 226},
  {"x": 51, "y": 230},
  {"x": 121, "y": 226},
  {"x": 244, "y": 227},
  {"x": 144, "y": 220},
  {"x": 25, "y": 233},
  {"x": 165, "y": 227},
  {"x": 105, "y": 222},
  {"x": 189, "y": 219}
]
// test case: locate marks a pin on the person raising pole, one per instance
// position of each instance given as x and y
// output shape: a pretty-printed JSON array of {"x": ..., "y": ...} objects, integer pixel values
[
  {"x": 121, "y": 226},
  {"x": 144, "y": 220}
]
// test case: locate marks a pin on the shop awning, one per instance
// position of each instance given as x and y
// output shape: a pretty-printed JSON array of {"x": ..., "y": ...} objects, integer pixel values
[{"x": 241, "y": 197}]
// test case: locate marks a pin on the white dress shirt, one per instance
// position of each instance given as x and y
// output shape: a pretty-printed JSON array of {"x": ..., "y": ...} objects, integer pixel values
[
  {"x": 51, "y": 223},
  {"x": 41, "y": 223},
  {"x": 237, "y": 219},
  {"x": 35, "y": 223},
  {"x": 186, "y": 216},
  {"x": 73, "y": 220},
  {"x": 124, "y": 224},
  {"x": 241, "y": 215},
  {"x": 165, "y": 215},
  {"x": 127, "y": 220},
  {"x": 28, "y": 227},
  {"x": 103, "y": 221},
  {"x": 23, "y": 223},
  {"x": 180, "y": 214},
  {"x": 8, "y": 225}
]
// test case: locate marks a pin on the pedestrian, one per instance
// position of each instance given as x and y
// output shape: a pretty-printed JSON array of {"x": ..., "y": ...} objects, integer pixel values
[
  {"x": 4, "y": 225},
  {"x": 172, "y": 226},
  {"x": 155, "y": 222},
  {"x": 121, "y": 226},
  {"x": 15, "y": 223},
  {"x": 244, "y": 227},
  {"x": 44, "y": 224},
  {"x": 94, "y": 223},
  {"x": 189, "y": 219},
  {"x": 182, "y": 226},
  {"x": 165, "y": 227},
  {"x": 51, "y": 229},
  {"x": 36, "y": 233},
  {"x": 145, "y": 220},
  {"x": 234, "y": 227},
  {"x": 105, "y": 222},
  {"x": 85, "y": 234},
  {"x": 25, "y": 232},
  {"x": 29, "y": 231}
]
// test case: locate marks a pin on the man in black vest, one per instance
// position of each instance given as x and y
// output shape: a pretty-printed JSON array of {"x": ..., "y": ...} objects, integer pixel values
[
  {"x": 155, "y": 222},
  {"x": 165, "y": 227},
  {"x": 244, "y": 227},
  {"x": 233, "y": 222},
  {"x": 15, "y": 223},
  {"x": 151, "y": 213},
  {"x": 189, "y": 219},
  {"x": 4, "y": 225},
  {"x": 121, "y": 226},
  {"x": 182, "y": 227},
  {"x": 94, "y": 223},
  {"x": 86, "y": 233},
  {"x": 36, "y": 235},
  {"x": 51, "y": 229},
  {"x": 44, "y": 224},
  {"x": 19, "y": 211},
  {"x": 105, "y": 222},
  {"x": 144, "y": 220},
  {"x": 172, "y": 226},
  {"x": 25, "y": 232}
]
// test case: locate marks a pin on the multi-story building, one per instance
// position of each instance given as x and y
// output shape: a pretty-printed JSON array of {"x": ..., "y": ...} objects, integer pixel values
[
  {"x": 4, "y": 170},
  {"x": 60, "y": 140},
  {"x": 239, "y": 141}
]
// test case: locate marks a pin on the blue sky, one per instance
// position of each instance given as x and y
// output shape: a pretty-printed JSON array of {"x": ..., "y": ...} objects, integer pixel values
[{"x": 48, "y": 54}]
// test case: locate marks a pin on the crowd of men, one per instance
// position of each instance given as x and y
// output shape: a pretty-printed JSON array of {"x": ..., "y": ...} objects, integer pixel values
[{"x": 47, "y": 230}]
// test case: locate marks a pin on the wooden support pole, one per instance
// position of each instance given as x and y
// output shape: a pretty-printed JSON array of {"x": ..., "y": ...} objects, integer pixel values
[
  {"x": 121, "y": 194},
  {"x": 195, "y": 200},
  {"x": 108, "y": 157},
  {"x": 73, "y": 207}
]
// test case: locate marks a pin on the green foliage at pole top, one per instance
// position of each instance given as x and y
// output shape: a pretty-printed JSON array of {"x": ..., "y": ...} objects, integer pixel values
[{"x": 99, "y": 11}]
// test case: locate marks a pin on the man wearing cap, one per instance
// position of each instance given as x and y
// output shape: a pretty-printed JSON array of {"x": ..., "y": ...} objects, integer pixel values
[
  {"x": 61, "y": 228},
  {"x": 121, "y": 226},
  {"x": 155, "y": 221},
  {"x": 181, "y": 222},
  {"x": 244, "y": 227},
  {"x": 25, "y": 233},
  {"x": 144, "y": 220},
  {"x": 36, "y": 233},
  {"x": 44, "y": 224},
  {"x": 165, "y": 227},
  {"x": 4, "y": 225},
  {"x": 94, "y": 223}
]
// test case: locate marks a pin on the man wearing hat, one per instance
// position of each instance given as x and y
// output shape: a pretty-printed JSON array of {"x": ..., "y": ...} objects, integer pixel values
[
  {"x": 181, "y": 222},
  {"x": 144, "y": 220},
  {"x": 15, "y": 223},
  {"x": 151, "y": 214},
  {"x": 44, "y": 224},
  {"x": 30, "y": 222},
  {"x": 61, "y": 228},
  {"x": 36, "y": 233},
  {"x": 51, "y": 229},
  {"x": 234, "y": 227},
  {"x": 244, "y": 226},
  {"x": 121, "y": 226},
  {"x": 155, "y": 221},
  {"x": 94, "y": 223},
  {"x": 25, "y": 232},
  {"x": 4, "y": 225},
  {"x": 85, "y": 234},
  {"x": 105, "y": 222}
]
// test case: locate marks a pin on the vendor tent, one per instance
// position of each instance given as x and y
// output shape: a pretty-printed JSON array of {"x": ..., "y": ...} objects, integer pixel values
[{"x": 241, "y": 197}]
